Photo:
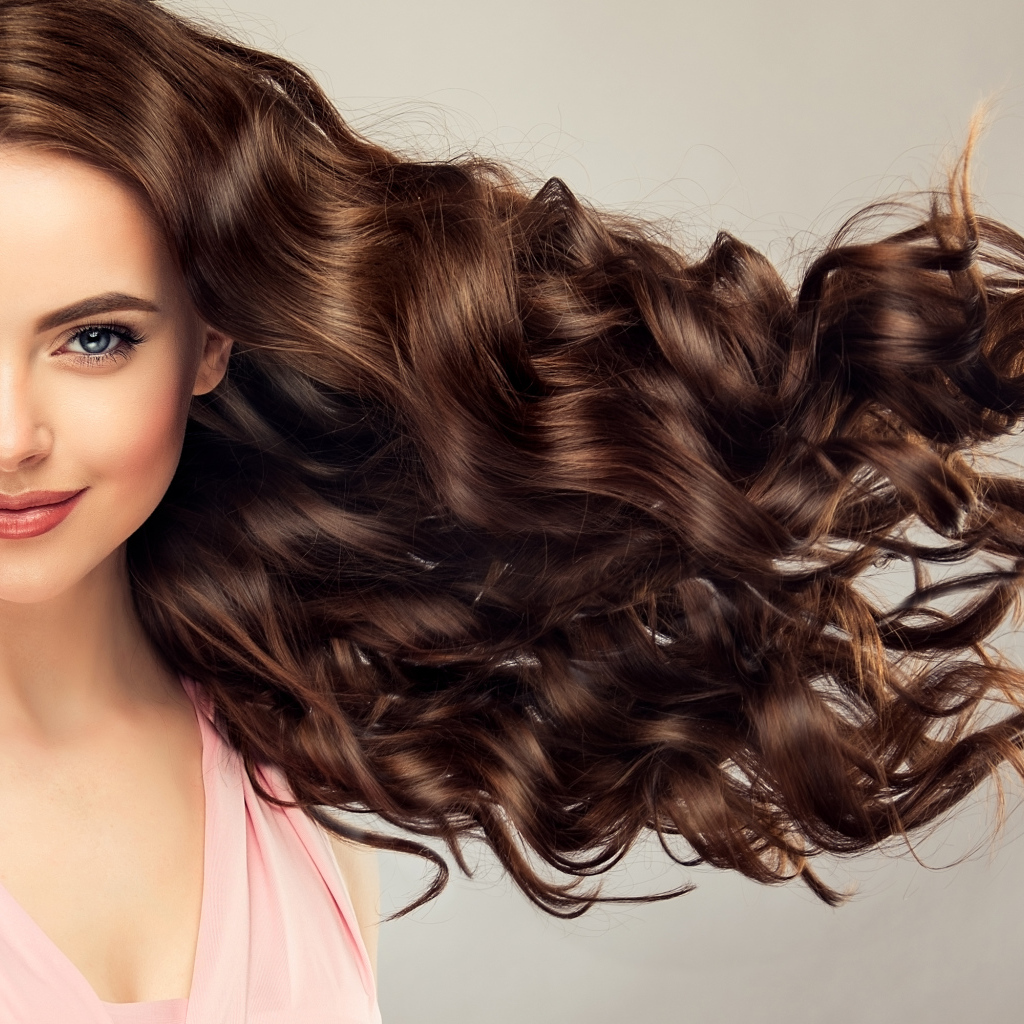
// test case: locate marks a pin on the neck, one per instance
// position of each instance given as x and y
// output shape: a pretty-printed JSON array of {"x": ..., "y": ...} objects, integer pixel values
[{"x": 67, "y": 661}]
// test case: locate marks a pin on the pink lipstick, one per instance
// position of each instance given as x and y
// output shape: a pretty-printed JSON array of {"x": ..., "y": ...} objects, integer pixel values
[{"x": 32, "y": 513}]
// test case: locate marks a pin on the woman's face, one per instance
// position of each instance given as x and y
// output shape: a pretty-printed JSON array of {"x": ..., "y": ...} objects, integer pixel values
[{"x": 100, "y": 353}]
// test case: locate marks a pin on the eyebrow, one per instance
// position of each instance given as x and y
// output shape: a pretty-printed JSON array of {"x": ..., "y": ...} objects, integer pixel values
[{"x": 108, "y": 302}]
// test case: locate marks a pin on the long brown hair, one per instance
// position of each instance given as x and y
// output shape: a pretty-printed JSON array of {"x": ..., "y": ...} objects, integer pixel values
[{"x": 512, "y": 522}]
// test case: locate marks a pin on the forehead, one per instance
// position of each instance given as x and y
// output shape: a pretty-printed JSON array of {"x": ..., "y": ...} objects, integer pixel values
[{"x": 68, "y": 230}]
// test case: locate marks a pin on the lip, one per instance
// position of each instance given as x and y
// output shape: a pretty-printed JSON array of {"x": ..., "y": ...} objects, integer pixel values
[{"x": 33, "y": 513}]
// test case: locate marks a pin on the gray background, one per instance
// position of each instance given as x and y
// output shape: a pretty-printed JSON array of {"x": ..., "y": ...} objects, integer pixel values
[{"x": 775, "y": 120}]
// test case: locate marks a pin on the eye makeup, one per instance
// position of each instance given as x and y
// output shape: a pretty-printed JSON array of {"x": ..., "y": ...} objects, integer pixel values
[{"x": 99, "y": 343}]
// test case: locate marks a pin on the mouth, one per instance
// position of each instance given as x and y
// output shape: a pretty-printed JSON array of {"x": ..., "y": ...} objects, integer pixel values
[{"x": 32, "y": 513}]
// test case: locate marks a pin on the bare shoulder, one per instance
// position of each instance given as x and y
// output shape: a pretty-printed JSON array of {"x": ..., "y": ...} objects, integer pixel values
[{"x": 358, "y": 865}]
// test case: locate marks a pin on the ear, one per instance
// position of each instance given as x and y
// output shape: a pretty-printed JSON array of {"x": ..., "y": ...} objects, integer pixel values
[{"x": 213, "y": 363}]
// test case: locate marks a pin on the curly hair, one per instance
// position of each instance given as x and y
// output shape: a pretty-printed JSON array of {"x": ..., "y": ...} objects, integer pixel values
[{"x": 512, "y": 522}]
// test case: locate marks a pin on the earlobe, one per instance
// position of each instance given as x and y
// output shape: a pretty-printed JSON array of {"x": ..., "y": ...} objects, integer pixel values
[{"x": 213, "y": 363}]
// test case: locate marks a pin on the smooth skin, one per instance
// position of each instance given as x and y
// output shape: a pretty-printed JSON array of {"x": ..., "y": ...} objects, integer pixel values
[{"x": 101, "y": 793}]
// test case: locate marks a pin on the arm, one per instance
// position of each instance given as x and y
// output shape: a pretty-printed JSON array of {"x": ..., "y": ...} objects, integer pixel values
[{"x": 358, "y": 866}]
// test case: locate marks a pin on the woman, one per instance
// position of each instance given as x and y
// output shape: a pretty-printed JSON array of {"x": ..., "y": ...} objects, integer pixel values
[{"x": 334, "y": 481}]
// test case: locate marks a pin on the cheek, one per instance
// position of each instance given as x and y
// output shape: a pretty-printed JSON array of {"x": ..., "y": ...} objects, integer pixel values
[
  {"x": 120, "y": 437},
  {"x": 135, "y": 449},
  {"x": 123, "y": 439},
  {"x": 133, "y": 453}
]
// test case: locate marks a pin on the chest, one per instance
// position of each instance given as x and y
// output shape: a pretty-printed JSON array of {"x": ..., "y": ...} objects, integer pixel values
[{"x": 101, "y": 843}]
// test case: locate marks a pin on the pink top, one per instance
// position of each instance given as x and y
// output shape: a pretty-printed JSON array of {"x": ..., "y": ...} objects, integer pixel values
[{"x": 278, "y": 941}]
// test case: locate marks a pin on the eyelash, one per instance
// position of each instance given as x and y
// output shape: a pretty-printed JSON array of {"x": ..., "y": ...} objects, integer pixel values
[{"x": 127, "y": 338}]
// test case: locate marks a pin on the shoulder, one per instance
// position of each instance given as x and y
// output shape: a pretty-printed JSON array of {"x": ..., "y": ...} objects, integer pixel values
[
  {"x": 357, "y": 865},
  {"x": 359, "y": 870}
]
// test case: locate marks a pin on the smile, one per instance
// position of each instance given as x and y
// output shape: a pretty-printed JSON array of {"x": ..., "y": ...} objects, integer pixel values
[{"x": 35, "y": 512}]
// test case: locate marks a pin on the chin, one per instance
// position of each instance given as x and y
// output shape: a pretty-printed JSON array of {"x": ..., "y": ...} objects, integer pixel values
[{"x": 39, "y": 581}]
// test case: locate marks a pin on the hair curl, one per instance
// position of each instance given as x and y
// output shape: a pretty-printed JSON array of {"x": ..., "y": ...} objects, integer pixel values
[{"x": 511, "y": 522}]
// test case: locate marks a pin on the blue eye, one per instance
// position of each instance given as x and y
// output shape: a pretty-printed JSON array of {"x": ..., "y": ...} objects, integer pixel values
[
  {"x": 102, "y": 340},
  {"x": 96, "y": 340}
]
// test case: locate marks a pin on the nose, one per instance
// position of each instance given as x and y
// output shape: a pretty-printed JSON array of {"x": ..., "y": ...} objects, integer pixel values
[{"x": 24, "y": 439}]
